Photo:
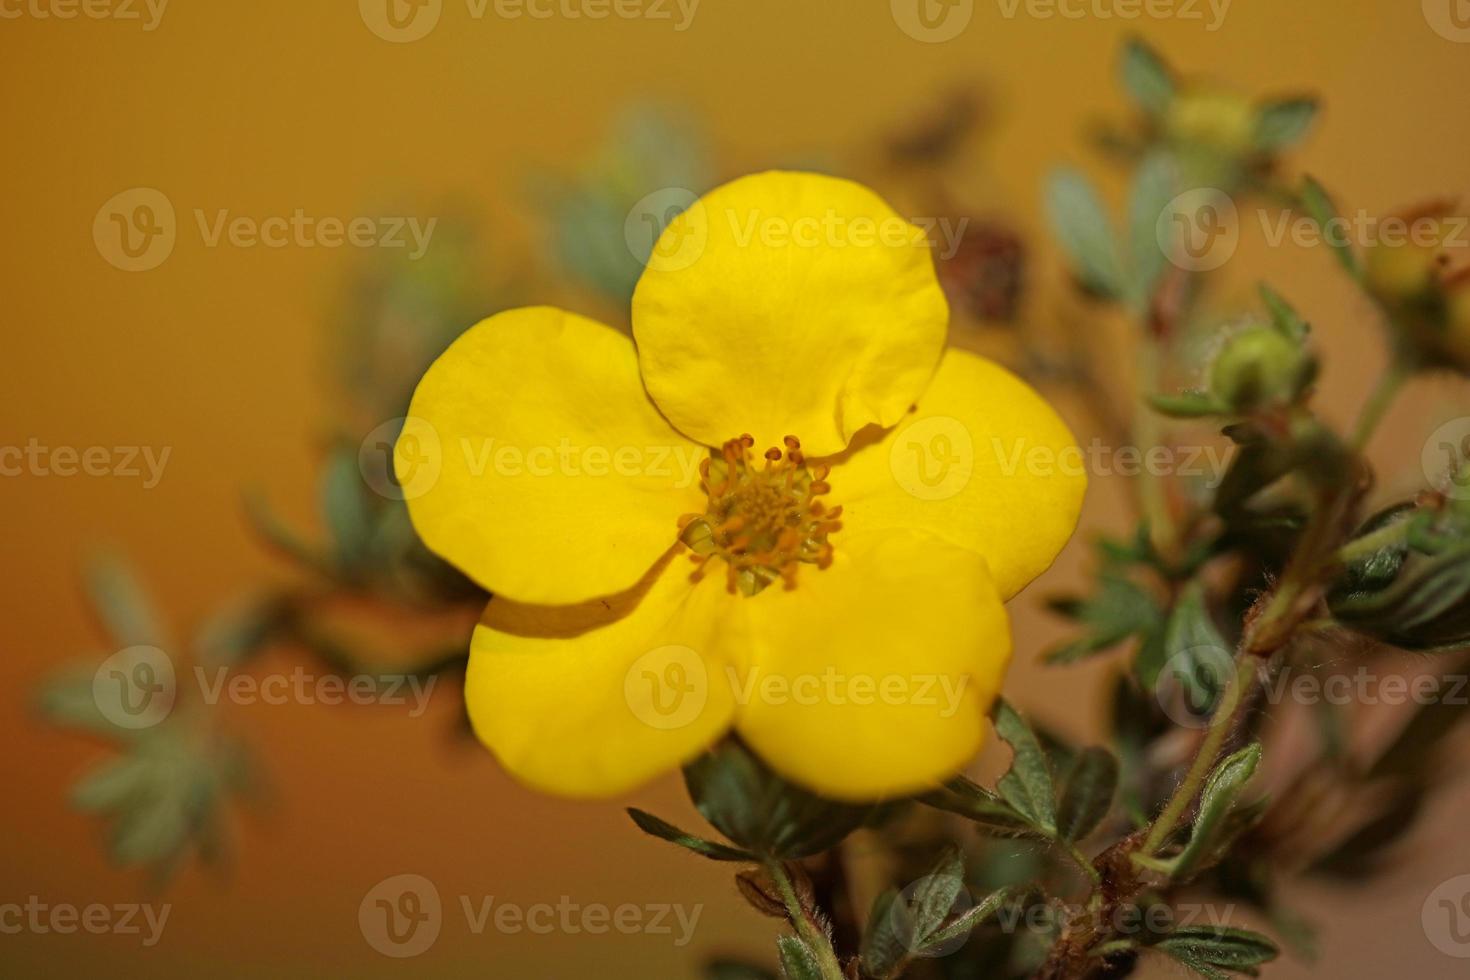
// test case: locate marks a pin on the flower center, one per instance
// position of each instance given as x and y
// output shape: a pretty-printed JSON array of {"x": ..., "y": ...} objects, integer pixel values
[{"x": 763, "y": 520}]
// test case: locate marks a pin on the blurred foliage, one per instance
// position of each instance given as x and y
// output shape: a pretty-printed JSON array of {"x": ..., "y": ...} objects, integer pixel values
[{"x": 604, "y": 221}]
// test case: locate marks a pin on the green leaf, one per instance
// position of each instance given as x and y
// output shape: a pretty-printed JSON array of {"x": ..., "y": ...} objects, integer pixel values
[
  {"x": 1282, "y": 124},
  {"x": 759, "y": 810},
  {"x": 933, "y": 897},
  {"x": 920, "y": 922},
  {"x": 112, "y": 785},
  {"x": 237, "y": 631},
  {"x": 885, "y": 942},
  {"x": 1188, "y": 405},
  {"x": 1087, "y": 793},
  {"x": 264, "y": 520},
  {"x": 120, "y": 600},
  {"x": 344, "y": 506},
  {"x": 964, "y": 923},
  {"x": 1283, "y": 315},
  {"x": 1152, "y": 190},
  {"x": 655, "y": 827},
  {"x": 1119, "y": 609},
  {"x": 1081, "y": 225},
  {"x": 798, "y": 962},
  {"x": 1240, "y": 950},
  {"x": 1187, "y": 958},
  {"x": 1146, "y": 77},
  {"x": 1320, "y": 209},
  {"x": 1218, "y": 798},
  {"x": 1027, "y": 786},
  {"x": 70, "y": 700},
  {"x": 976, "y": 803},
  {"x": 1194, "y": 648}
]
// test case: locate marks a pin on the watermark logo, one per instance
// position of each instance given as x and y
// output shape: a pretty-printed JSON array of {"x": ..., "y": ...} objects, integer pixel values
[
  {"x": 1450, "y": 19},
  {"x": 667, "y": 688},
  {"x": 402, "y": 458},
  {"x": 135, "y": 688},
  {"x": 932, "y": 21},
  {"x": 401, "y": 916},
  {"x": 934, "y": 458},
  {"x": 1446, "y": 917},
  {"x": 1199, "y": 230},
  {"x": 647, "y": 229},
  {"x": 1446, "y": 458},
  {"x": 136, "y": 229},
  {"x": 401, "y": 21},
  {"x": 1192, "y": 683}
]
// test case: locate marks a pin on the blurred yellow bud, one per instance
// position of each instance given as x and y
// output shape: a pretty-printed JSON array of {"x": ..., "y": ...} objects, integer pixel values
[{"x": 1216, "y": 118}]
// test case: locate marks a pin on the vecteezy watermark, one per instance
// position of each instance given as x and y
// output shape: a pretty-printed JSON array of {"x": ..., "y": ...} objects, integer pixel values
[
  {"x": 1446, "y": 458},
  {"x": 137, "y": 688},
  {"x": 65, "y": 918},
  {"x": 1446, "y": 917},
  {"x": 1211, "y": 13},
  {"x": 405, "y": 21},
  {"x": 936, "y": 21},
  {"x": 1450, "y": 19},
  {"x": 137, "y": 229},
  {"x": 1193, "y": 681},
  {"x": 670, "y": 686},
  {"x": 656, "y": 239},
  {"x": 1125, "y": 919},
  {"x": 1364, "y": 230},
  {"x": 403, "y": 916},
  {"x": 1200, "y": 230},
  {"x": 147, "y": 13},
  {"x": 403, "y": 459},
  {"x": 934, "y": 458},
  {"x": 37, "y": 459},
  {"x": 301, "y": 687}
]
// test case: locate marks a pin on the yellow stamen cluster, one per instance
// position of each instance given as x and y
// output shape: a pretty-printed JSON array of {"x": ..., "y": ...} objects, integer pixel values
[{"x": 764, "y": 521}]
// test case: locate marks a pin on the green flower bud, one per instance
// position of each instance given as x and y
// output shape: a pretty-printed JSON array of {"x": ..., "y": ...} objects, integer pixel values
[{"x": 1259, "y": 366}]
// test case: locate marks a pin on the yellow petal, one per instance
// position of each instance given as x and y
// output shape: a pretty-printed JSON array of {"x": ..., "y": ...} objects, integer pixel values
[
  {"x": 533, "y": 460},
  {"x": 984, "y": 462},
  {"x": 788, "y": 303},
  {"x": 873, "y": 677},
  {"x": 593, "y": 700}
]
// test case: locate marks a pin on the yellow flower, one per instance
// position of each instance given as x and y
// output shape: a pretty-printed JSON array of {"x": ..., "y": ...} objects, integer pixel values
[{"x": 789, "y": 331}]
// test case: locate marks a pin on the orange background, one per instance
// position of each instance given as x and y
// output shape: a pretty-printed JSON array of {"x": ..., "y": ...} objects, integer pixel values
[{"x": 268, "y": 106}]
